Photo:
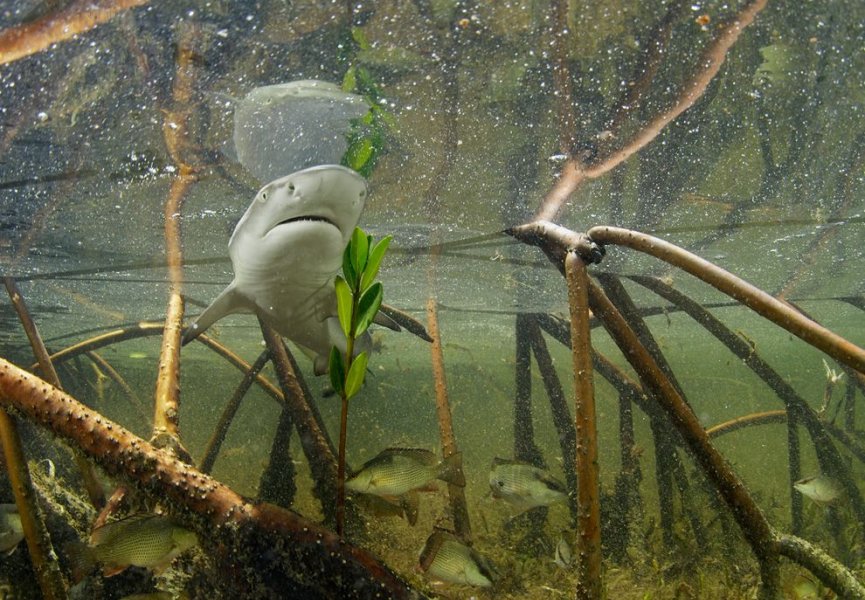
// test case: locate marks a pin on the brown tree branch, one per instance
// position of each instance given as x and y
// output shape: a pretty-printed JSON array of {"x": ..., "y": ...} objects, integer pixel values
[
  {"x": 91, "y": 482},
  {"x": 754, "y": 298},
  {"x": 575, "y": 172},
  {"x": 589, "y": 585},
  {"x": 305, "y": 554},
  {"x": 457, "y": 494},
  {"x": 78, "y": 17}
]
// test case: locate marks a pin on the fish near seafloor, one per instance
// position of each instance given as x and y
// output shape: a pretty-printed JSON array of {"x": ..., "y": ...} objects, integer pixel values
[
  {"x": 820, "y": 488},
  {"x": 523, "y": 485},
  {"x": 141, "y": 540},
  {"x": 445, "y": 558},
  {"x": 396, "y": 471},
  {"x": 286, "y": 251},
  {"x": 11, "y": 532}
]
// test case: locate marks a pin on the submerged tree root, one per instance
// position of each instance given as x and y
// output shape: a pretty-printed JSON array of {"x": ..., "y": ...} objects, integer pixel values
[
  {"x": 768, "y": 545},
  {"x": 260, "y": 550}
]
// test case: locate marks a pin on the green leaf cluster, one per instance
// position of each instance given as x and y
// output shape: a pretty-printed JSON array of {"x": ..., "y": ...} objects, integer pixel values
[
  {"x": 367, "y": 138},
  {"x": 358, "y": 299}
]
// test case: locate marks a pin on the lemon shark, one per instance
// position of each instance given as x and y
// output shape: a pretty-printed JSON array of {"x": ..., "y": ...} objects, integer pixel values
[{"x": 286, "y": 251}]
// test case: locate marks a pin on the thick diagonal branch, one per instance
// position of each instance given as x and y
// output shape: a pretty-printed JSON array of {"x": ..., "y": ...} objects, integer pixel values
[{"x": 211, "y": 507}]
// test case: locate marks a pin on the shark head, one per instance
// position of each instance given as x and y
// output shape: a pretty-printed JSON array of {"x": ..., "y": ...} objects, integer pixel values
[
  {"x": 309, "y": 210},
  {"x": 285, "y": 252}
]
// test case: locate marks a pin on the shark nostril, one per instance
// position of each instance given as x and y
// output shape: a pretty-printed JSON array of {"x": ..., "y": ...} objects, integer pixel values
[{"x": 291, "y": 187}]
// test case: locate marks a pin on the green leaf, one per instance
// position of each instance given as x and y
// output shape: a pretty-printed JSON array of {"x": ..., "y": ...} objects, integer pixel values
[
  {"x": 367, "y": 308},
  {"x": 348, "y": 268},
  {"x": 359, "y": 251},
  {"x": 359, "y": 154},
  {"x": 359, "y": 37},
  {"x": 356, "y": 374},
  {"x": 349, "y": 80},
  {"x": 344, "y": 301},
  {"x": 372, "y": 265},
  {"x": 337, "y": 371}
]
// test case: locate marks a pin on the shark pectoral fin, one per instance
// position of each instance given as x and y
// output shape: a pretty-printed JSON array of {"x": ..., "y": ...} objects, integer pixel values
[
  {"x": 385, "y": 321},
  {"x": 405, "y": 320},
  {"x": 229, "y": 301}
]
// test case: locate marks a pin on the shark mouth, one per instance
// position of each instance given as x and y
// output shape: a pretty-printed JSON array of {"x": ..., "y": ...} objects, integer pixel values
[{"x": 305, "y": 218}]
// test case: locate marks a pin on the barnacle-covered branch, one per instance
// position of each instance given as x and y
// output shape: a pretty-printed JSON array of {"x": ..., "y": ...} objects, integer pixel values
[
  {"x": 829, "y": 570},
  {"x": 176, "y": 133},
  {"x": 303, "y": 554}
]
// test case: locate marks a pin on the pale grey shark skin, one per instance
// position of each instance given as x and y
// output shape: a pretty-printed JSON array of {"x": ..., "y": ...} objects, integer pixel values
[{"x": 286, "y": 251}]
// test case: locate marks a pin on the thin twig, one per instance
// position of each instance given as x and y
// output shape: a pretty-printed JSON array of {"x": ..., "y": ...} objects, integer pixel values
[
  {"x": 230, "y": 410},
  {"x": 176, "y": 133},
  {"x": 457, "y": 495},
  {"x": 760, "y": 418}
]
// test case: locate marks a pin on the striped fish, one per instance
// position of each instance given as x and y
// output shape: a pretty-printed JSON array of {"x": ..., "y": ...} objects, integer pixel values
[
  {"x": 524, "y": 486},
  {"x": 396, "y": 471},
  {"x": 445, "y": 558},
  {"x": 143, "y": 540}
]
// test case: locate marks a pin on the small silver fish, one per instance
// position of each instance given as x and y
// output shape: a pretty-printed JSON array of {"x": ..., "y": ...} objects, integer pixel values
[
  {"x": 11, "y": 532},
  {"x": 396, "y": 471},
  {"x": 523, "y": 485},
  {"x": 143, "y": 540},
  {"x": 820, "y": 488},
  {"x": 445, "y": 558},
  {"x": 563, "y": 556}
]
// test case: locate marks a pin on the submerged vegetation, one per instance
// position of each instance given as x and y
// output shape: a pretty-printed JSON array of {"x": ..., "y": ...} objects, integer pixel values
[
  {"x": 679, "y": 432},
  {"x": 358, "y": 298}
]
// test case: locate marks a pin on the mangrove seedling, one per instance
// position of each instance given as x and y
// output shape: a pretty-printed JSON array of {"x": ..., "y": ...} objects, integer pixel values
[{"x": 358, "y": 297}]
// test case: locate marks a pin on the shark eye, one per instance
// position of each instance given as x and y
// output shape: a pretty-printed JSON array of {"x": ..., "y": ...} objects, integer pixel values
[{"x": 291, "y": 187}]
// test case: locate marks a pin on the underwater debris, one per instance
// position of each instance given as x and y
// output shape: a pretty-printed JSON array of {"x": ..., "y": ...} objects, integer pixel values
[
  {"x": 445, "y": 558},
  {"x": 524, "y": 486},
  {"x": 141, "y": 540},
  {"x": 820, "y": 488}
]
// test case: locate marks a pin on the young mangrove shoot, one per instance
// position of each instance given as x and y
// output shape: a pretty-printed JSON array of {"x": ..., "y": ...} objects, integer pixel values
[{"x": 358, "y": 297}]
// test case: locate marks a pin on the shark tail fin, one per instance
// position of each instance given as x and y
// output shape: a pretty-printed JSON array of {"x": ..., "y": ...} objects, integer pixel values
[{"x": 229, "y": 301}]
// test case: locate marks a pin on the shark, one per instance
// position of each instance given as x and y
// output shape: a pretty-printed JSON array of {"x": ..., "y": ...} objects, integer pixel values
[{"x": 285, "y": 252}]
